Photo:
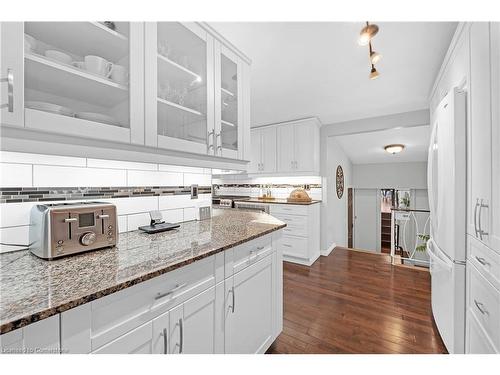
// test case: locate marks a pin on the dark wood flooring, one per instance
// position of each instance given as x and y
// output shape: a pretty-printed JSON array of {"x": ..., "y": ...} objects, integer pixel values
[{"x": 356, "y": 302}]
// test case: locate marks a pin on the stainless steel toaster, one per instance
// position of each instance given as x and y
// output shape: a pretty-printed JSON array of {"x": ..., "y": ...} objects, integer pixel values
[{"x": 62, "y": 229}]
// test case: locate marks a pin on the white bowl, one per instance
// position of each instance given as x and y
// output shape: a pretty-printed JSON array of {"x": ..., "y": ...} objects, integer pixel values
[
  {"x": 58, "y": 56},
  {"x": 29, "y": 43}
]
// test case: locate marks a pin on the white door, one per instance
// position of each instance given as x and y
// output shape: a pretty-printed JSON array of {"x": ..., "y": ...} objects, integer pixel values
[
  {"x": 480, "y": 171},
  {"x": 366, "y": 219},
  {"x": 447, "y": 176},
  {"x": 137, "y": 341},
  {"x": 193, "y": 325},
  {"x": 85, "y": 79},
  {"x": 256, "y": 148},
  {"x": 179, "y": 81},
  {"x": 495, "y": 139},
  {"x": 304, "y": 147},
  {"x": 286, "y": 148},
  {"x": 249, "y": 309},
  {"x": 448, "y": 298},
  {"x": 268, "y": 150},
  {"x": 12, "y": 74},
  {"x": 228, "y": 103}
]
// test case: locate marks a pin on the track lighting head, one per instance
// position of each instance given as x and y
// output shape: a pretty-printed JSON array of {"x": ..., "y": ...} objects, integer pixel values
[{"x": 367, "y": 33}]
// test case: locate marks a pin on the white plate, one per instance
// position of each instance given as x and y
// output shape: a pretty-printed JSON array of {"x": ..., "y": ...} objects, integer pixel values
[
  {"x": 49, "y": 107},
  {"x": 97, "y": 117}
]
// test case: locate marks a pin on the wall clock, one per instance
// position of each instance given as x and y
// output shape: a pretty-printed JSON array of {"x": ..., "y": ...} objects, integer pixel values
[{"x": 339, "y": 176}]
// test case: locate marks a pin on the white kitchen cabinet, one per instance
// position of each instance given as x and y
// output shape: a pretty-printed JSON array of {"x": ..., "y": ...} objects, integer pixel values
[
  {"x": 495, "y": 135},
  {"x": 248, "y": 311},
  {"x": 301, "y": 237},
  {"x": 137, "y": 341},
  {"x": 480, "y": 132},
  {"x": 263, "y": 157},
  {"x": 41, "y": 337},
  {"x": 100, "y": 99}
]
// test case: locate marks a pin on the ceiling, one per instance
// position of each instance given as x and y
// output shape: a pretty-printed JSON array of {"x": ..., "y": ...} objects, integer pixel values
[
  {"x": 303, "y": 69},
  {"x": 368, "y": 148}
]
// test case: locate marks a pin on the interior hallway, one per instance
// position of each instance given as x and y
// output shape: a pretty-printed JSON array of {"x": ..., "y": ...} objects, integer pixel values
[{"x": 356, "y": 302}]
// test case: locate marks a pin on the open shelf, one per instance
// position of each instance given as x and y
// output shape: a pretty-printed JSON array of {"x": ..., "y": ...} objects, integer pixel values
[
  {"x": 65, "y": 80},
  {"x": 81, "y": 38},
  {"x": 180, "y": 107},
  {"x": 175, "y": 71}
]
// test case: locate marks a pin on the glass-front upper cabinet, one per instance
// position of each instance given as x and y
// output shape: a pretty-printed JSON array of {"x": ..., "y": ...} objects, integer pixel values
[
  {"x": 75, "y": 78},
  {"x": 228, "y": 104},
  {"x": 179, "y": 87}
]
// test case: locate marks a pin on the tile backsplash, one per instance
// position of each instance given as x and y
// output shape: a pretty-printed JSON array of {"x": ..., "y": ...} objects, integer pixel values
[{"x": 135, "y": 189}]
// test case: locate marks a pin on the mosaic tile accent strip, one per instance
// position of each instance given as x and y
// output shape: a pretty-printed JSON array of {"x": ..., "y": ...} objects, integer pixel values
[
  {"x": 272, "y": 186},
  {"x": 40, "y": 194}
]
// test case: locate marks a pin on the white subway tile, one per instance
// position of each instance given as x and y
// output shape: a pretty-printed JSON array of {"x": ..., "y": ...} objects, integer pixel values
[
  {"x": 197, "y": 178},
  {"x": 189, "y": 213},
  {"x": 137, "y": 220},
  {"x": 180, "y": 168},
  {"x": 15, "y": 214},
  {"x": 154, "y": 178},
  {"x": 122, "y": 223},
  {"x": 133, "y": 205},
  {"x": 74, "y": 177},
  {"x": 27, "y": 158},
  {"x": 205, "y": 197},
  {"x": 116, "y": 164},
  {"x": 14, "y": 235},
  {"x": 173, "y": 216},
  {"x": 15, "y": 175},
  {"x": 168, "y": 202}
]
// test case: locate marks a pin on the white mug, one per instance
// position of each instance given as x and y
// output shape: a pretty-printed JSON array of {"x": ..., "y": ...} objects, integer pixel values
[
  {"x": 119, "y": 74},
  {"x": 98, "y": 65}
]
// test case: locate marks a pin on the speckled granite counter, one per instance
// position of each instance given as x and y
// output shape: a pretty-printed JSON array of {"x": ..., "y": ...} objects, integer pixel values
[
  {"x": 277, "y": 201},
  {"x": 32, "y": 289}
]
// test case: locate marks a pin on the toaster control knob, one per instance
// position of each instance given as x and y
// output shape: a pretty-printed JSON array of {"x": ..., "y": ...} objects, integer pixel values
[{"x": 88, "y": 238}]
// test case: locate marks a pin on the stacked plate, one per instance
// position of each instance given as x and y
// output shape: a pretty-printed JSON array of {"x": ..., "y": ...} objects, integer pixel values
[
  {"x": 49, "y": 107},
  {"x": 97, "y": 117}
]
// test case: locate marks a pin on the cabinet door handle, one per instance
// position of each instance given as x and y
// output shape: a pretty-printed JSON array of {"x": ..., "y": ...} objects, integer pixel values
[
  {"x": 481, "y": 260},
  {"x": 181, "y": 336},
  {"x": 232, "y": 304},
  {"x": 481, "y": 231},
  {"x": 210, "y": 145},
  {"x": 177, "y": 287},
  {"x": 165, "y": 341},
  {"x": 475, "y": 217},
  {"x": 10, "y": 91},
  {"x": 219, "y": 146},
  {"x": 481, "y": 308}
]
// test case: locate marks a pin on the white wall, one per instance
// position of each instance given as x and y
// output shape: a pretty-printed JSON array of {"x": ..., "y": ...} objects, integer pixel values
[
  {"x": 333, "y": 210},
  {"x": 390, "y": 175},
  {"x": 36, "y": 170}
]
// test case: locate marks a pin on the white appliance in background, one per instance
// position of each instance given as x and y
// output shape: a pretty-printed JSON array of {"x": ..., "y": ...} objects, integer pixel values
[{"x": 446, "y": 179}]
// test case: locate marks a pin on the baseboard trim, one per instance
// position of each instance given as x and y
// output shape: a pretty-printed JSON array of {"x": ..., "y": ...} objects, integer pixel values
[{"x": 327, "y": 252}]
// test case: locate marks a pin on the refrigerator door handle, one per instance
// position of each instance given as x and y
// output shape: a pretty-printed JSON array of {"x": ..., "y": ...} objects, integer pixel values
[{"x": 436, "y": 257}]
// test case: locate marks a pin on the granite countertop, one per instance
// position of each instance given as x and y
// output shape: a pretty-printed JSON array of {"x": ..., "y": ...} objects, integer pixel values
[
  {"x": 277, "y": 201},
  {"x": 33, "y": 289}
]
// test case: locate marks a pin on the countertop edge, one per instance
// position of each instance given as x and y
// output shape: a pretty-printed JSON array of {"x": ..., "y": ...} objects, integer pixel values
[
  {"x": 47, "y": 313},
  {"x": 279, "y": 202}
]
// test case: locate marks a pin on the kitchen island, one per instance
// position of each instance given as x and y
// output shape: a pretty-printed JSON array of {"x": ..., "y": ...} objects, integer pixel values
[{"x": 143, "y": 283}]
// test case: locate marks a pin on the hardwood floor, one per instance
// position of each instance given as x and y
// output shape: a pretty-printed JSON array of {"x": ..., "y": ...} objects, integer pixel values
[{"x": 356, "y": 302}]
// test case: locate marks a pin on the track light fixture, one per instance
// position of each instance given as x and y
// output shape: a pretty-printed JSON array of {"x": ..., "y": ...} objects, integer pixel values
[{"x": 365, "y": 38}]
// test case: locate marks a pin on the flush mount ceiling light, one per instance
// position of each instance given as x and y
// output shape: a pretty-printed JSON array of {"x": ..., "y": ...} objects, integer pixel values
[
  {"x": 394, "y": 149},
  {"x": 367, "y": 33},
  {"x": 365, "y": 38}
]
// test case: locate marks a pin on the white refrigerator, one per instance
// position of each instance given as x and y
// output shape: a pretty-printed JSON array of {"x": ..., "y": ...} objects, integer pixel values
[{"x": 446, "y": 179}]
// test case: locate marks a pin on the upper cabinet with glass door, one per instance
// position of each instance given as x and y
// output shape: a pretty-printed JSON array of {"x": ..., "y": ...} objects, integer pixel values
[
  {"x": 77, "y": 78},
  {"x": 179, "y": 87}
]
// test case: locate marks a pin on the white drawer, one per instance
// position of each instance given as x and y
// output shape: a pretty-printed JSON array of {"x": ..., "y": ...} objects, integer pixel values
[
  {"x": 486, "y": 260},
  {"x": 289, "y": 209},
  {"x": 296, "y": 225},
  {"x": 120, "y": 312},
  {"x": 137, "y": 341},
  {"x": 294, "y": 246},
  {"x": 244, "y": 255},
  {"x": 484, "y": 303},
  {"x": 477, "y": 342}
]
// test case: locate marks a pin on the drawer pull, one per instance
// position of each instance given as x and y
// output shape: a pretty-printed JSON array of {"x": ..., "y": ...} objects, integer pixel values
[
  {"x": 253, "y": 256},
  {"x": 260, "y": 247},
  {"x": 481, "y": 308},
  {"x": 177, "y": 287},
  {"x": 287, "y": 245},
  {"x": 481, "y": 260}
]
